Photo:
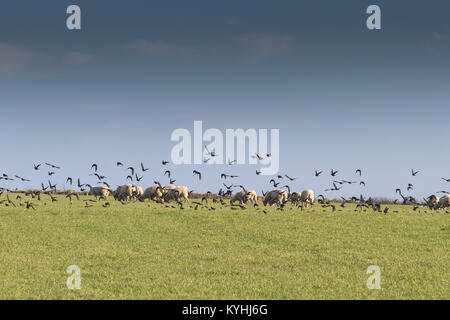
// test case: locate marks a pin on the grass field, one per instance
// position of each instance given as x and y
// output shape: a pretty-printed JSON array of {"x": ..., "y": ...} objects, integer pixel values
[{"x": 145, "y": 251}]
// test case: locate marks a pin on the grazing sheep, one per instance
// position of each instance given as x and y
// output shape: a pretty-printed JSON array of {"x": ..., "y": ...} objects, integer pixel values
[
  {"x": 295, "y": 197},
  {"x": 443, "y": 203},
  {"x": 99, "y": 191},
  {"x": 138, "y": 192},
  {"x": 244, "y": 197},
  {"x": 124, "y": 192},
  {"x": 251, "y": 196},
  {"x": 152, "y": 192},
  {"x": 277, "y": 197},
  {"x": 176, "y": 193},
  {"x": 432, "y": 201},
  {"x": 307, "y": 198}
]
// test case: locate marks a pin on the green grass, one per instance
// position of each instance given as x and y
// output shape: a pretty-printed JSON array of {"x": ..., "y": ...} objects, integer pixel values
[{"x": 145, "y": 251}]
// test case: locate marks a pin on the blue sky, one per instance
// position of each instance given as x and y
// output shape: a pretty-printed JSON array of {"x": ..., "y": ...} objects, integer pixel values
[{"x": 342, "y": 96}]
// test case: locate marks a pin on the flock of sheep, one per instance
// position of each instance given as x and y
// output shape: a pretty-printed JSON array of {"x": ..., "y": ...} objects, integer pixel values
[
  {"x": 181, "y": 194},
  {"x": 169, "y": 193},
  {"x": 276, "y": 197}
]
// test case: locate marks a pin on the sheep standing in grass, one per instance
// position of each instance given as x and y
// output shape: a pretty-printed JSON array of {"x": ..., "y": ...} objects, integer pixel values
[
  {"x": 99, "y": 191},
  {"x": 124, "y": 192},
  {"x": 176, "y": 193},
  {"x": 244, "y": 197},
  {"x": 443, "y": 203},
  {"x": 152, "y": 192},
  {"x": 251, "y": 196},
  {"x": 432, "y": 201},
  {"x": 277, "y": 197},
  {"x": 138, "y": 192},
  {"x": 295, "y": 197},
  {"x": 307, "y": 198}
]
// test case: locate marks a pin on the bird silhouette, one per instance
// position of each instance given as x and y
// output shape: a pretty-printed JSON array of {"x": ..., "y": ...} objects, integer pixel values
[
  {"x": 198, "y": 173},
  {"x": 143, "y": 168}
]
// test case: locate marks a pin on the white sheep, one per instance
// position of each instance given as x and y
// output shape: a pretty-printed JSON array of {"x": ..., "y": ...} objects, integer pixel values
[
  {"x": 176, "y": 193},
  {"x": 152, "y": 192},
  {"x": 245, "y": 196},
  {"x": 307, "y": 198},
  {"x": 124, "y": 192},
  {"x": 99, "y": 191},
  {"x": 277, "y": 197},
  {"x": 443, "y": 203}
]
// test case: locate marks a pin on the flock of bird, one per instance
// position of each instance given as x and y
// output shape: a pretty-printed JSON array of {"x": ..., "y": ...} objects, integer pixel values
[{"x": 134, "y": 175}]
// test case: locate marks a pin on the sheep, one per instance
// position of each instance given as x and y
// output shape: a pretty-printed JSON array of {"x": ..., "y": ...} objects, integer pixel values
[
  {"x": 124, "y": 192},
  {"x": 152, "y": 192},
  {"x": 251, "y": 196},
  {"x": 244, "y": 197},
  {"x": 277, "y": 197},
  {"x": 99, "y": 191},
  {"x": 307, "y": 198},
  {"x": 137, "y": 192},
  {"x": 176, "y": 193},
  {"x": 431, "y": 201},
  {"x": 295, "y": 197},
  {"x": 443, "y": 203}
]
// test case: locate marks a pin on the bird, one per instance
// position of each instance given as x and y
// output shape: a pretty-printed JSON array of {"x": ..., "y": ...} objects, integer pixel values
[
  {"x": 225, "y": 176},
  {"x": 274, "y": 183},
  {"x": 317, "y": 173},
  {"x": 358, "y": 171},
  {"x": 165, "y": 162},
  {"x": 22, "y": 179},
  {"x": 258, "y": 156},
  {"x": 132, "y": 170},
  {"x": 210, "y": 153},
  {"x": 106, "y": 184},
  {"x": 291, "y": 179},
  {"x": 51, "y": 186},
  {"x": 119, "y": 164},
  {"x": 143, "y": 168},
  {"x": 333, "y": 173},
  {"x": 414, "y": 172},
  {"x": 167, "y": 172},
  {"x": 258, "y": 172},
  {"x": 95, "y": 167},
  {"x": 36, "y": 166},
  {"x": 137, "y": 178},
  {"x": 362, "y": 183},
  {"x": 228, "y": 187},
  {"x": 99, "y": 177},
  {"x": 230, "y": 162},
  {"x": 69, "y": 179},
  {"x": 410, "y": 186},
  {"x": 52, "y": 165},
  {"x": 447, "y": 180},
  {"x": 195, "y": 172},
  {"x": 335, "y": 188}
]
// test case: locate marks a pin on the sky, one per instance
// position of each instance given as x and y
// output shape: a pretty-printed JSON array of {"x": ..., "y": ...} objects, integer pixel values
[{"x": 343, "y": 97}]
